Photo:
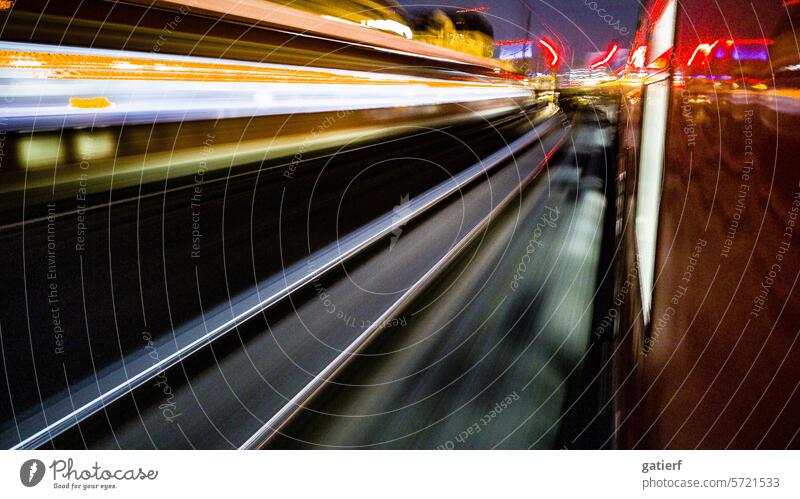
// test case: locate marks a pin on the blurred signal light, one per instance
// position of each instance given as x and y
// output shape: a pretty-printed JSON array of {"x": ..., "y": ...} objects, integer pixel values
[
  {"x": 553, "y": 62},
  {"x": 475, "y": 9},
  {"x": 606, "y": 58}
]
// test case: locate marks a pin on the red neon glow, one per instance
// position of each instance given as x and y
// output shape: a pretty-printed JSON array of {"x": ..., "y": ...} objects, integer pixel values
[
  {"x": 554, "y": 61},
  {"x": 750, "y": 41},
  {"x": 512, "y": 42},
  {"x": 705, "y": 48},
  {"x": 637, "y": 57},
  {"x": 606, "y": 58}
]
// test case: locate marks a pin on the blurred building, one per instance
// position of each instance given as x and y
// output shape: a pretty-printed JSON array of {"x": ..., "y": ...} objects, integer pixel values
[
  {"x": 384, "y": 15},
  {"x": 518, "y": 56},
  {"x": 466, "y": 31}
]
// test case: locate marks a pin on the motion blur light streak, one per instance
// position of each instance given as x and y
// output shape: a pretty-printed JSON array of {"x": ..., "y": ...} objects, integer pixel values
[
  {"x": 705, "y": 48},
  {"x": 553, "y": 62},
  {"x": 89, "y": 102},
  {"x": 195, "y": 88},
  {"x": 395, "y": 225},
  {"x": 166, "y": 101},
  {"x": 389, "y": 25},
  {"x": 605, "y": 60},
  {"x": 73, "y": 63},
  {"x": 503, "y": 43}
]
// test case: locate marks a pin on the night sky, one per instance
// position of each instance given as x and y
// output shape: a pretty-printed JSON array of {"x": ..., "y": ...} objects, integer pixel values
[{"x": 580, "y": 28}]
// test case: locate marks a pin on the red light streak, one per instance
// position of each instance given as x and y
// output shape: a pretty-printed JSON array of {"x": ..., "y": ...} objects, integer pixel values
[
  {"x": 511, "y": 42},
  {"x": 705, "y": 48},
  {"x": 544, "y": 43},
  {"x": 750, "y": 41},
  {"x": 606, "y": 58}
]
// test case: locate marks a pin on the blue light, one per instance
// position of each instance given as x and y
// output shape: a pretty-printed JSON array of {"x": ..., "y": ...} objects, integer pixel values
[{"x": 750, "y": 53}]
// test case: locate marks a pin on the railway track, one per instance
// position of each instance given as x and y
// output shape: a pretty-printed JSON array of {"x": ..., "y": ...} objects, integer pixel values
[{"x": 455, "y": 210}]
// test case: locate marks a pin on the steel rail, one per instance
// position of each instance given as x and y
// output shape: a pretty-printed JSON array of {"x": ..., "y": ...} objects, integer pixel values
[
  {"x": 294, "y": 406},
  {"x": 281, "y": 287}
]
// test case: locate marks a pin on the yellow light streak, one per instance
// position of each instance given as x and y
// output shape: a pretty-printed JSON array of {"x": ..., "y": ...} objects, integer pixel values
[
  {"x": 89, "y": 102},
  {"x": 101, "y": 67}
]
